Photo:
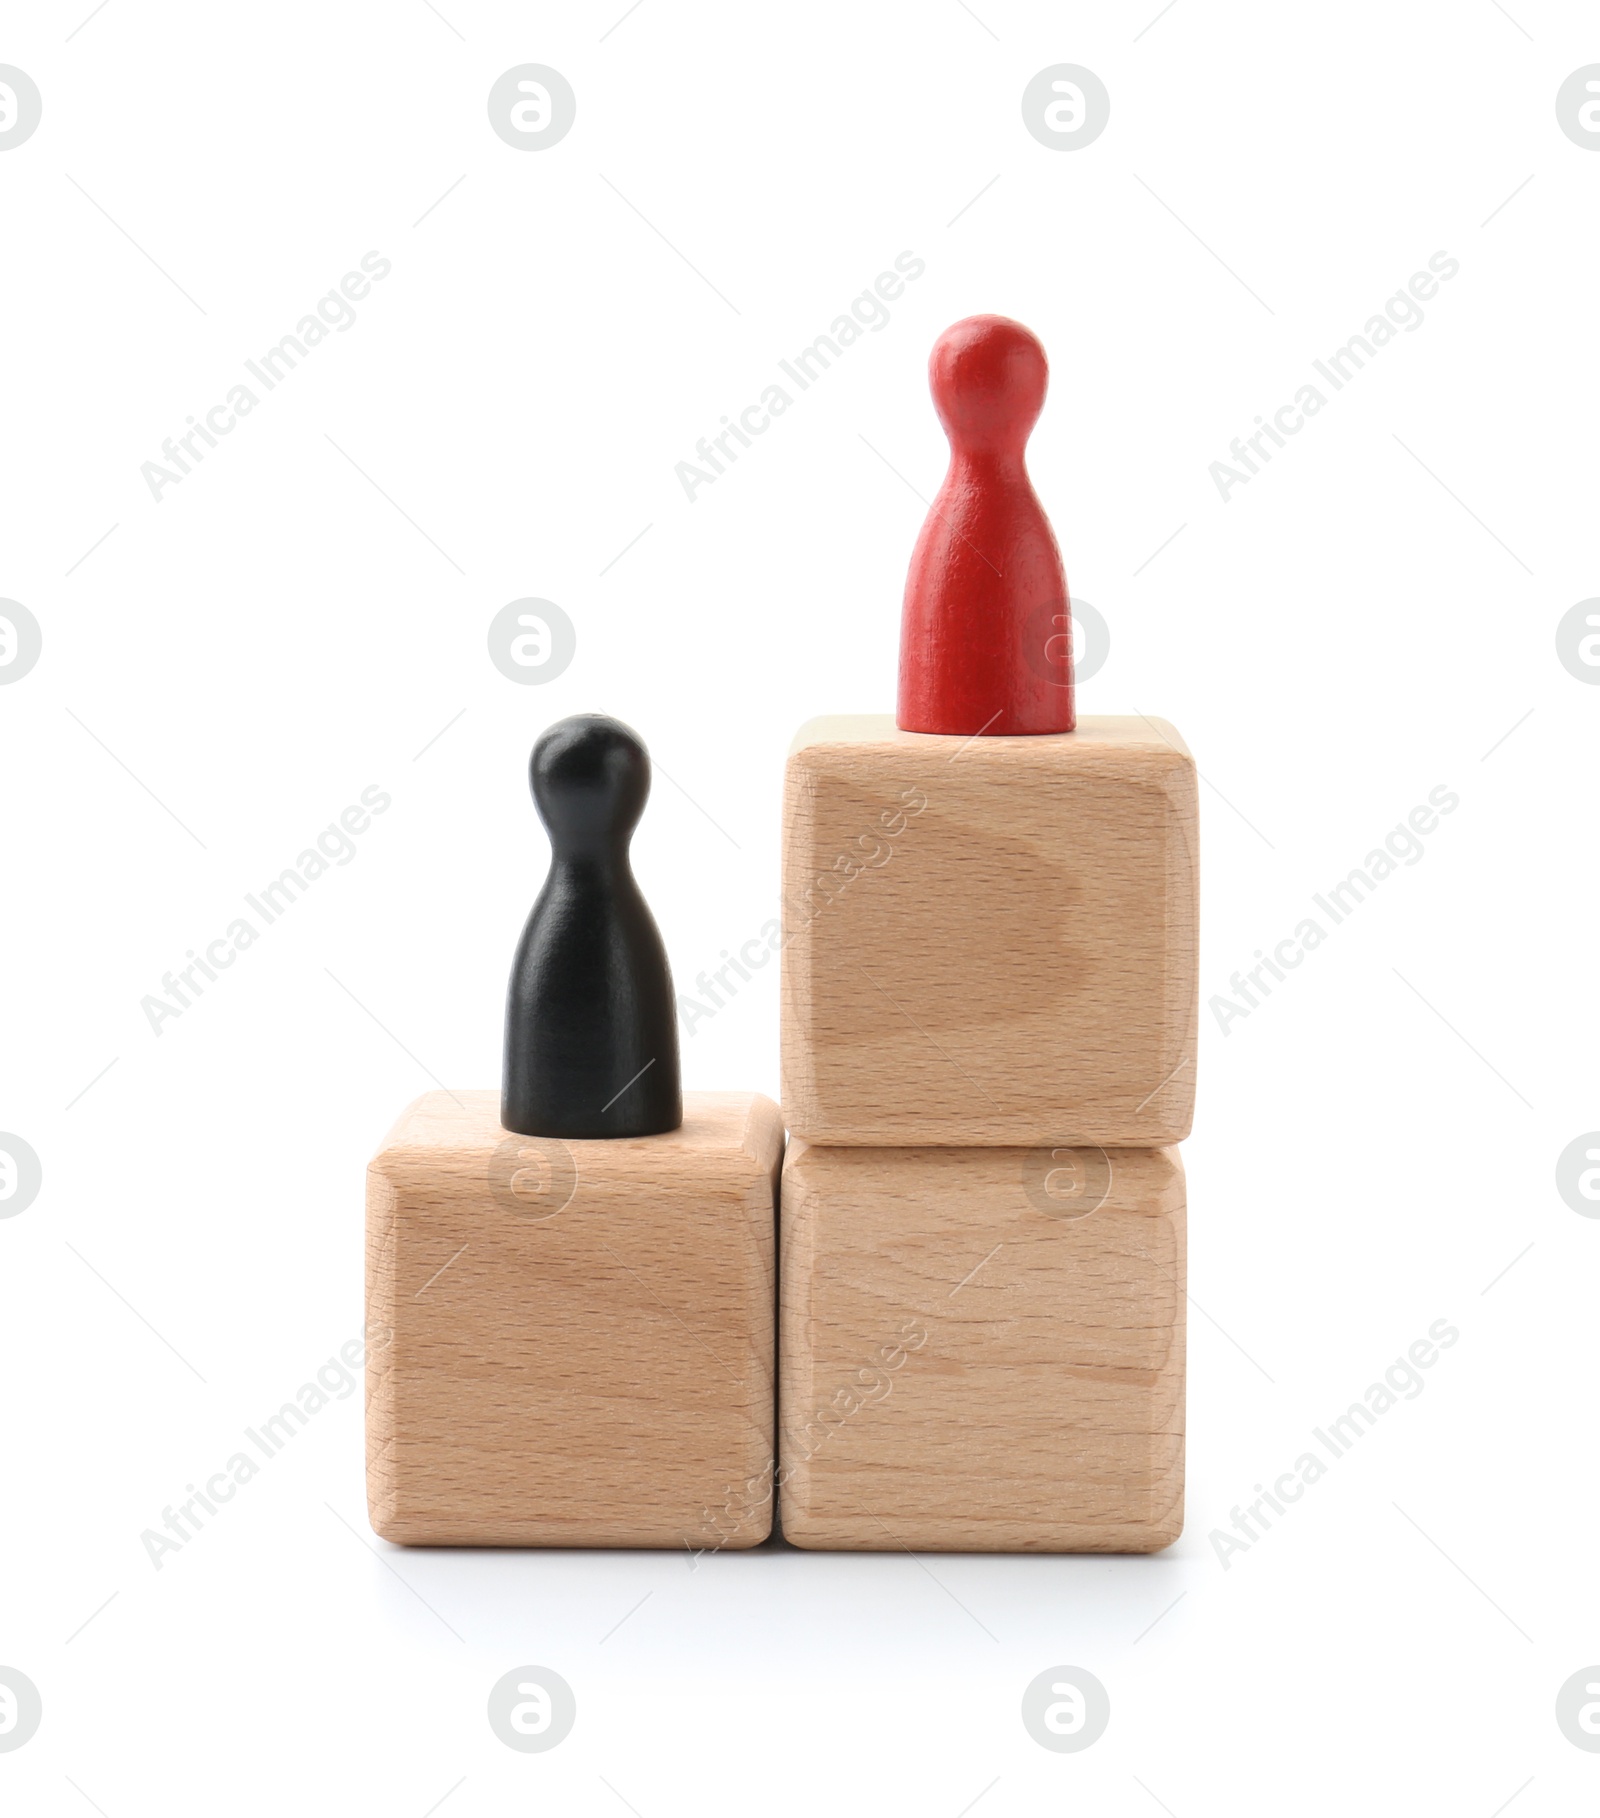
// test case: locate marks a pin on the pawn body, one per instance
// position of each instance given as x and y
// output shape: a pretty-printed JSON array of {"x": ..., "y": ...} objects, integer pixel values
[
  {"x": 591, "y": 1026},
  {"x": 985, "y": 630}
]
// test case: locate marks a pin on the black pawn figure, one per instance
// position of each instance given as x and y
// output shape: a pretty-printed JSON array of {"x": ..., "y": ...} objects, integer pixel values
[{"x": 591, "y": 1022}]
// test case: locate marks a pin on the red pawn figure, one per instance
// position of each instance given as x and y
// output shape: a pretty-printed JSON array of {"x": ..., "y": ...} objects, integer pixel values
[{"x": 985, "y": 631}]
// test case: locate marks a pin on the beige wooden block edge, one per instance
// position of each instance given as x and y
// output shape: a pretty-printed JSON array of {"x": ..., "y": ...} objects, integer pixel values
[{"x": 1118, "y": 731}]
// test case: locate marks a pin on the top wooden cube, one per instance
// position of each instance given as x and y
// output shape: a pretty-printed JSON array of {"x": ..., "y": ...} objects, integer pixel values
[{"x": 990, "y": 940}]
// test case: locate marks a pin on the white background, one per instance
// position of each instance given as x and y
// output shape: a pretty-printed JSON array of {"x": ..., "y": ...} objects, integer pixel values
[{"x": 1374, "y": 1146}]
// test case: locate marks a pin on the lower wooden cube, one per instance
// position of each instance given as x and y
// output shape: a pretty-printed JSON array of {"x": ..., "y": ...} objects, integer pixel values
[
  {"x": 580, "y": 1346},
  {"x": 982, "y": 1349}
]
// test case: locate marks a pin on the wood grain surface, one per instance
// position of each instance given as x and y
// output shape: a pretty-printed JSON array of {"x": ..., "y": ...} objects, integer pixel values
[
  {"x": 979, "y": 1354},
  {"x": 990, "y": 940},
  {"x": 582, "y": 1332}
]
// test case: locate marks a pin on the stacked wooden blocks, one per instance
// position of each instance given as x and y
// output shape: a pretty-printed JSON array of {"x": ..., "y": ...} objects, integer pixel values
[
  {"x": 989, "y": 1016},
  {"x": 989, "y": 1008}
]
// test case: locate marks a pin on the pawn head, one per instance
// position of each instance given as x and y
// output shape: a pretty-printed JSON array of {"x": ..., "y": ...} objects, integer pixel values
[
  {"x": 988, "y": 376},
  {"x": 590, "y": 777}
]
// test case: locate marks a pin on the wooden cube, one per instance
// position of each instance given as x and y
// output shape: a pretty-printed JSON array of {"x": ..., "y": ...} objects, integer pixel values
[
  {"x": 990, "y": 940},
  {"x": 582, "y": 1332},
  {"x": 982, "y": 1349}
]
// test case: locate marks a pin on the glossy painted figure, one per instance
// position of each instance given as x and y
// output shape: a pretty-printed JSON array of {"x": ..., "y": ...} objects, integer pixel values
[
  {"x": 985, "y": 631},
  {"x": 591, "y": 1022}
]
